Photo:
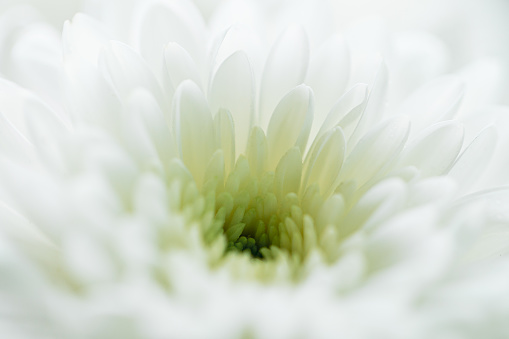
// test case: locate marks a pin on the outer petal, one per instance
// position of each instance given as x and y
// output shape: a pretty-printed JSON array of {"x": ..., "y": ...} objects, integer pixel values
[
  {"x": 438, "y": 100},
  {"x": 375, "y": 150},
  {"x": 328, "y": 75},
  {"x": 285, "y": 68},
  {"x": 233, "y": 89},
  {"x": 325, "y": 161},
  {"x": 290, "y": 124},
  {"x": 434, "y": 152},
  {"x": 128, "y": 71},
  {"x": 161, "y": 22},
  {"x": 194, "y": 128}
]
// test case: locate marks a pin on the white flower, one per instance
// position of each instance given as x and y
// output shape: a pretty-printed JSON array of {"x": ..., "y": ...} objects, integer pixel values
[{"x": 171, "y": 178}]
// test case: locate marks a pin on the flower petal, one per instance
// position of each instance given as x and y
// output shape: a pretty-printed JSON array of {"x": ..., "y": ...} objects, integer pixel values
[
  {"x": 38, "y": 52},
  {"x": 128, "y": 71},
  {"x": 285, "y": 68},
  {"x": 436, "y": 101},
  {"x": 288, "y": 173},
  {"x": 375, "y": 206},
  {"x": 238, "y": 38},
  {"x": 161, "y": 22},
  {"x": 92, "y": 98},
  {"x": 146, "y": 111},
  {"x": 328, "y": 75},
  {"x": 422, "y": 153},
  {"x": 257, "y": 151},
  {"x": 325, "y": 160},
  {"x": 474, "y": 160},
  {"x": 375, "y": 105},
  {"x": 375, "y": 150},
  {"x": 194, "y": 128},
  {"x": 179, "y": 66},
  {"x": 346, "y": 110},
  {"x": 290, "y": 124},
  {"x": 232, "y": 88},
  {"x": 225, "y": 137},
  {"x": 84, "y": 37}
]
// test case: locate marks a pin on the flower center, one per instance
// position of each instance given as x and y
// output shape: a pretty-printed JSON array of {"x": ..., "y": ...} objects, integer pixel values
[
  {"x": 267, "y": 210},
  {"x": 251, "y": 212},
  {"x": 258, "y": 219}
]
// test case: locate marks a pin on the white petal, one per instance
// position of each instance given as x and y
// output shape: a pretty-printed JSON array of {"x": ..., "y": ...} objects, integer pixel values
[
  {"x": 14, "y": 145},
  {"x": 22, "y": 231},
  {"x": 225, "y": 137},
  {"x": 436, "y": 101},
  {"x": 288, "y": 173},
  {"x": 290, "y": 124},
  {"x": 128, "y": 71},
  {"x": 46, "y": 132},
  {"x": 323, "y": 164},
  {"x": 484, "y": 83},
  {"x": 377, "y": 205},
  {"x": 328, "y": 75},
  {"x": 159, "y": 23},
  {"x": 347, "y": 110},
  {"x": 179, "y": 65},
  {"x": 87, "y": 260},
  {"x": 434, "y": 152},
  {"x": 37, "y": 63},
  {"x": 238, "y": 38},
  {"x": 285, "y": 68},
  {"x": 84, "y": 36},
  {"x": 150, "y": 198},
  {"x": 375, "y": 105},
  {"x": 143, "y": 104},
  {"x": 141, "y": 135},
  {"x": 474, "y": 160},
  {"x": 43, "y": 205},
  {"x": 92, "y": 98},
  {"x": 330, "y": 212},
  {"x": 376, "y": 150},
  {"x": 194, "y": 128},
  {"x": 489, "y": 206},
  {"x": 232, "y": 88},
  {"x": 492, "y": 243},
  {"x": 431, "y": 190},
  {"x": 257, "y": 151}
]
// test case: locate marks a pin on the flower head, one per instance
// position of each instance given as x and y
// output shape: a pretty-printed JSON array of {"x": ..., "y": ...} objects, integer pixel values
[{"x": 175, "y": 174}]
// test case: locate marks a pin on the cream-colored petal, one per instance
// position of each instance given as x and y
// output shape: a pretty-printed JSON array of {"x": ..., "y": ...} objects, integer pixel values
[
  {"x": 92, "y": 98},
  {"x": 194, "y": 128},
  {"x": 159, "y": 23},
  {"x": 325, "y": 160},
  {"x": 435, "y": 150},
  {"x": 151, "y": 124},
  {"x": 328, "y": 73},
  {"x": 257, "y": 151},
  {"x": 290, "y": 123},
  {"x": 179, "y": 66},
  {"x": 346, "y": 110},
  {"x": 375, "y": 150},
  {"x": 475, "y": 159},
  {"x": 128, "y": 71},
  {"x": 375, "y": 105},
  {"x": 233, "y": 88},
  {"x": 225, "y": 137},
  {"x": 288, "y": 173},
  {"x": 376, "y": 206},
  {"x": 285, "y": 68},
  {"x": 435, "y": 101}
]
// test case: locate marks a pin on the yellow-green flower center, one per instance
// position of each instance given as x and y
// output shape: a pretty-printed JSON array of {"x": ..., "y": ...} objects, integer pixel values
[{"x": 254, "y": 218}]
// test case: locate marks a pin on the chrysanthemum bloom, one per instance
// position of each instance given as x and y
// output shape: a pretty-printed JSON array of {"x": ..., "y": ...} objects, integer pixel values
[{"x": 190, "y": 185}]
